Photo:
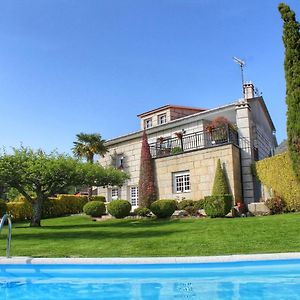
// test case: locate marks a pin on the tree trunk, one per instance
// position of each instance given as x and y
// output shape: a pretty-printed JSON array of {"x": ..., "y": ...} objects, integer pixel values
[
  {"x": 37, "y": 212},
  {"x": 90, "y": 193}
]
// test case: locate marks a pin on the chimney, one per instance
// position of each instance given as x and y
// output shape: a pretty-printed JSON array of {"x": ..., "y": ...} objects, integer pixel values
[{"x": 248, "y": 90}]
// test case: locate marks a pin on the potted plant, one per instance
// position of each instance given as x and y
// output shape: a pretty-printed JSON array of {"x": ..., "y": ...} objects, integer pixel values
[
  {"x": 217, "y": 130},
  {"x": 179, "y": 135}
]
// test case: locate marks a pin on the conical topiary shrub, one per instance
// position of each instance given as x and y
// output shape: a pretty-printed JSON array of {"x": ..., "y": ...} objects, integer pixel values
[{"x": 220, "y": 186}]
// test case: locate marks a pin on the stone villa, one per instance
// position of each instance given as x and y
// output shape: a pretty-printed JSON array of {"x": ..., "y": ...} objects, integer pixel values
[{"x": 185, "y": 153}]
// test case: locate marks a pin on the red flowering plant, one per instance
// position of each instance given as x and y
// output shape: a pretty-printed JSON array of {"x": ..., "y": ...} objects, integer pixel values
[{"x": 217, "y": 129}]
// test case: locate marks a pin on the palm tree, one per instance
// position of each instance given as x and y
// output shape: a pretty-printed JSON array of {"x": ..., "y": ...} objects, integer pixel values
[{"x": 86, "y": 146}]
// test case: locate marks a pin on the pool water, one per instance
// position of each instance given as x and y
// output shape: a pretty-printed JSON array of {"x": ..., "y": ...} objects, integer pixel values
[{"x": 276, "y": 279}]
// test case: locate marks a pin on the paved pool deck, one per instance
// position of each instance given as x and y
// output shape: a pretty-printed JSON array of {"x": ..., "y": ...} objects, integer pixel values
[{"x": 151, "y": 260}]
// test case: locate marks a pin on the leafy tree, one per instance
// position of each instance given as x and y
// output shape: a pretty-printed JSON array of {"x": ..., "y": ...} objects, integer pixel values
[
  {"x": 48, "y": 174},
  {"x": 147, "y": 193},
  {"x": 291, "y": 40},
  {"x": 86, "y": 146},
  {"x": 220, "y": 186}
]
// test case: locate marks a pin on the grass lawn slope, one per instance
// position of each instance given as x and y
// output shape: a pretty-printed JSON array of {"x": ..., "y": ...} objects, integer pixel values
[{"x": 80, "y": 237}]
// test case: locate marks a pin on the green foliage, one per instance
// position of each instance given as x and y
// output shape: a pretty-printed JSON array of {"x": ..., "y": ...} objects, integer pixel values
[
  {"x": 119, "y": 208},
  {"x": 3, "y": 208},
  {"x": 191, "y": 210},
  {"x": 275, "y": 205},
  {"x": 218, "y": 206},
  {"x": 147, "y": 192},
  {"x": 20, "y": 211},
  {"x": 199, "y": 204},
  {"x": 87, "y": 145},
  {"x": 61, "y": 205},
  {"x": 276, "y": 173},
  {"x": 176, "y": 150},
  {"x": 98, "y": 198},
  {"x": 142, "y": 212},
  {"x": 163, "y": 208},
  {"x": 12, "y": 194},
  {"x": 291, "y": 40},
  {"x": 73, "y": 203},
  {"x": 48, "y": 174},
  {"x": 220, "y": 186},
  {"x": 181, "y": 205},
  {"x": 94, "y": 208}
]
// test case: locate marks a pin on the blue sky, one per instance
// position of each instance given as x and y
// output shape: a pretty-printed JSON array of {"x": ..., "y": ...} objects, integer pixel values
[{"x": 93, "y": 65}]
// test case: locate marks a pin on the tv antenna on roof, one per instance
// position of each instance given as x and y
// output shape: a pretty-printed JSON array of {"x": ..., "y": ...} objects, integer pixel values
[{"x": 242, "y": 64}]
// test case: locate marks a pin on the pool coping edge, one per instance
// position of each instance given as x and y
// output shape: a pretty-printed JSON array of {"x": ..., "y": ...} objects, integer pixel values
[{"x": 151, "y": 260}]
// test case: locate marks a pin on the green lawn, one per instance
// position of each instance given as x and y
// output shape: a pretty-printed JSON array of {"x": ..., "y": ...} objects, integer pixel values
[{"x": 79, "y": 236}]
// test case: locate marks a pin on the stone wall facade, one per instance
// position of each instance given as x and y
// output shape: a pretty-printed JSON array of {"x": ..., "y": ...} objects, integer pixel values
[{"x": 201, "y": 164}]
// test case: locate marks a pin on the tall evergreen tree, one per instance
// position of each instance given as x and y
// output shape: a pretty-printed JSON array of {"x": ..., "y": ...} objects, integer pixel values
[
  {"x": 291, "y": 40},
  {"x": 147, "y": 192},
  {"x": 220, "y": 186}
]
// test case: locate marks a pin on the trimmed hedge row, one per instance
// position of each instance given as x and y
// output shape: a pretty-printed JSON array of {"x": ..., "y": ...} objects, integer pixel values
[
  {"x": 53, "y": 207},
  {"x": 276, "y": 173}
]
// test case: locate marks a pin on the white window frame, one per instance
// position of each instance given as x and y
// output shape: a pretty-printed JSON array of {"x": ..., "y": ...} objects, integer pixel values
[
  {"x": 134, "y": 195},
  {"x": 181, "y": 182},
  {"x": 148, "y": 123},
  {"x": 162, "y": 119},
  {"x": 114, "y": 194}
]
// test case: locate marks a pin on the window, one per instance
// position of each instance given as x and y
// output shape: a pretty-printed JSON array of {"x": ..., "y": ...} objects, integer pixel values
[
  {"x": 114, "y": 193},
  {"x": 162, "y": 119},
  {"x": 181, "y": 182},
  {"x": 120, "y": 161},
  {"x": 148, "y": 123},
  {"x": 134, "y": 196}
]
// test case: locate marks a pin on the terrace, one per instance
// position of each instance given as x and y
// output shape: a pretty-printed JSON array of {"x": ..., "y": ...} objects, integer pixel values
[{"x": 199, "y": 140}]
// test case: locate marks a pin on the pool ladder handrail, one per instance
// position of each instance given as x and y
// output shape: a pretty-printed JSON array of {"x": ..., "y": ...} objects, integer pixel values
[{"x": 8, "y": 240}]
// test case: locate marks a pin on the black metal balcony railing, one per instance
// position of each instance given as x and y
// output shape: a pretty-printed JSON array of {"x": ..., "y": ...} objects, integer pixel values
[{"x": 192, "y": 141}]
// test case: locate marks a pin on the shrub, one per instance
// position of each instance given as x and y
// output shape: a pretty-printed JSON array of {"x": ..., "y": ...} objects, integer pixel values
[
  {"x": 199, "y": 204},
  {"x": 3, "y": 207},
  {"x": 63, "y": 205},
  {"x": 220, "y": 186},
  {"x": 218, "y": 206},
  {"x": 284, "y": 183},
  {"x": 98, "y": 198},
  {"x": 20, "y": 211},
  {"x": 94, "y": 208},
  {"x": 119, "y": 208},
  {"x": 176, "y": 150},
  {"x": 275, "y": 205},
  {"x": 163, "y": 208},
  {"x": 52, "y": 207},
  {"x": 184, "y": 203},
  {"x": 191, "y": 210},
  {"x": 142, "y": 212}
]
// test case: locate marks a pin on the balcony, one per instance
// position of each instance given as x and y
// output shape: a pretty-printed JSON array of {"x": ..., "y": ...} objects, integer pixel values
[{"x": 193, "y": 141}]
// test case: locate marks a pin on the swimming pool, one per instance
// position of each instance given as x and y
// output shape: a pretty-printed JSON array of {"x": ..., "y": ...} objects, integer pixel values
[{"x": 273, "y": 279}]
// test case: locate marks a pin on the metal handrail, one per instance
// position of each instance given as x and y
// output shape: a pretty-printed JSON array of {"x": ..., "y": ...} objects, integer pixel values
[
  {"x": 8, "y": 240},
  {"x": 192, "y": 141}
]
